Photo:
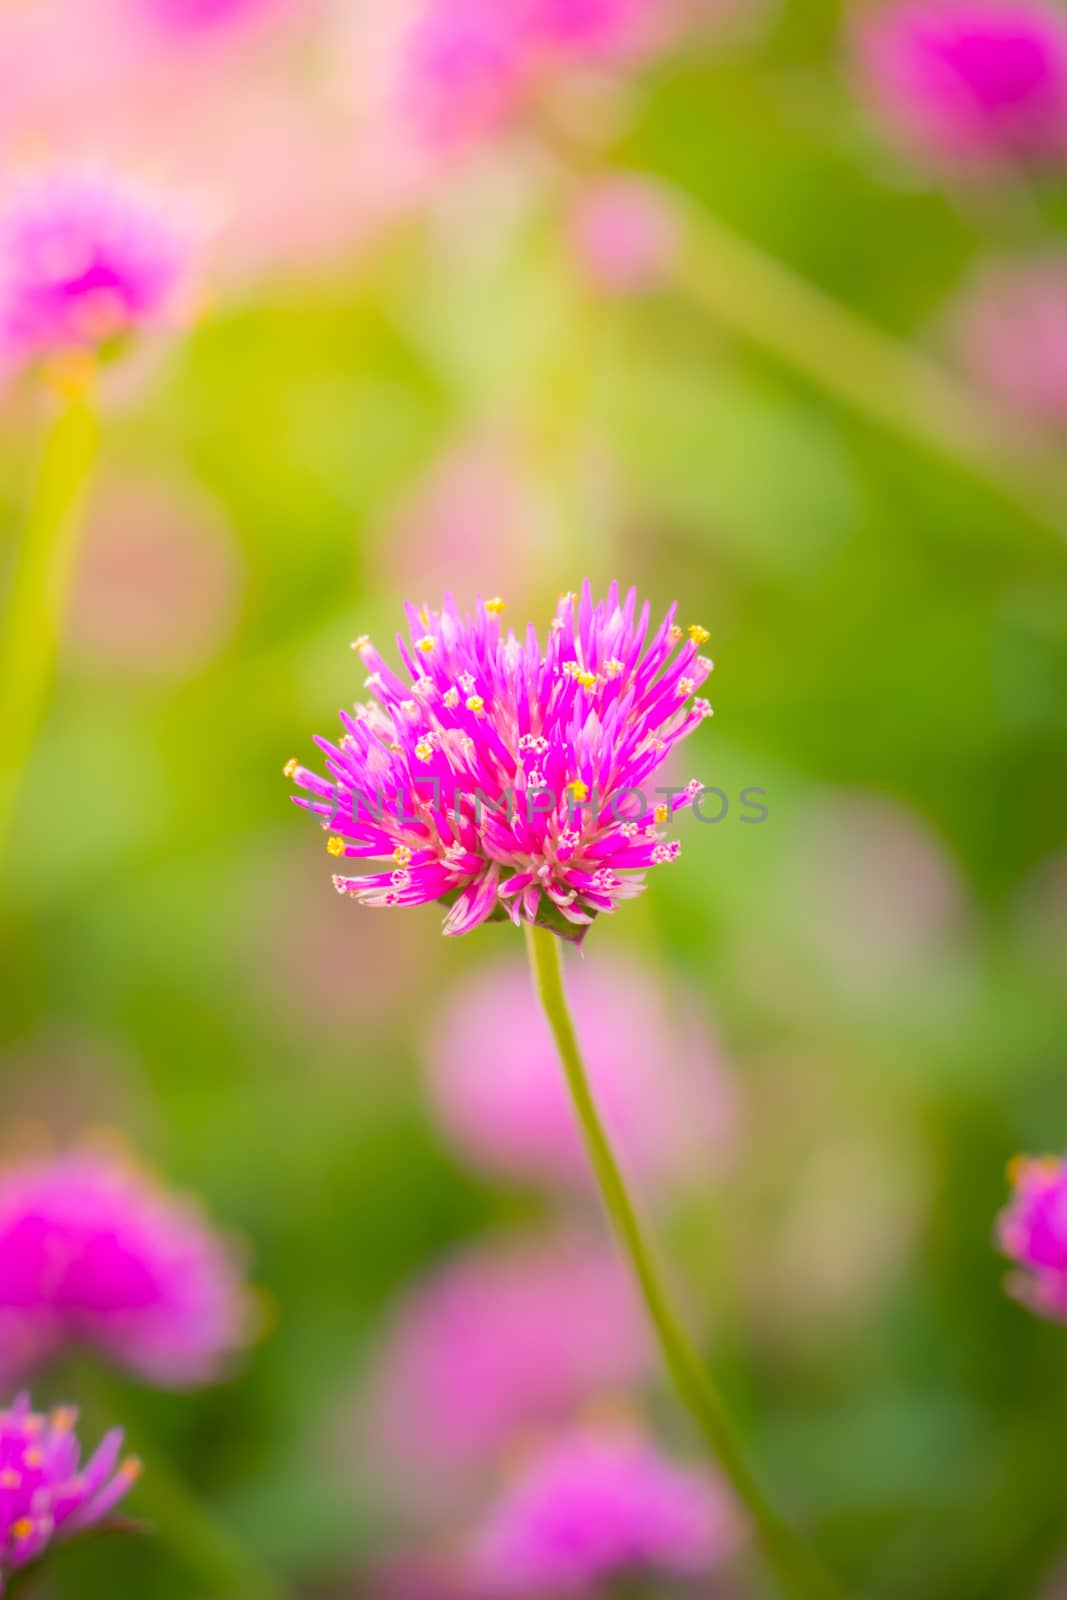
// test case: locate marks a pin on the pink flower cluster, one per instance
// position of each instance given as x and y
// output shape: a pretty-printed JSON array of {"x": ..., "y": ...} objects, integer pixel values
[
  {"x": 91, "y": 1253},
  {"x": 501, "y": 777},
  {"x": 466, "y": 65},
  {"x": 596, "y": 1505},
  {"x": 85, "y": 259},
  {"x": 45, "y": 1494},
  {"x": 1032, "y": 1231},
  {"x": 497, "y": 1342},
  {"x": 971, "y": 82}
]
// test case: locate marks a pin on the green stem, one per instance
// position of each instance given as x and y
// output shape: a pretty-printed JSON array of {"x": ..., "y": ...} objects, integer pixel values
[
  {"x": 799, "y": 1574},
  {"x": 761, "y": 300},
  {"x": 40, "y": 584},
  {"x": 200, "y": 1543}
]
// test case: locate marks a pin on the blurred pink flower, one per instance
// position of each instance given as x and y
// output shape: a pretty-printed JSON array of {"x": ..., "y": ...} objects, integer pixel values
[
  {"x": 197, "y": 16},
  {"x": 879, "y": 895},
  {"x": 663, "y": 1094},
  {"x": 624, "y": 231},
  {"x": 597, "y": 1505},
  {"x": 463, "y": 67},
  {"x": 46, "y": 1495},
  {"x": 92, "y": 1253},
  {"x": 1032, "y": 1231},
  {"x": 971, "y": 81},
  {"x": 158, "y": 581},
  {"x": 505, "y": 1339},
  {"x": 1011, "y": 327},
  {"x": 86, "y": 258}
]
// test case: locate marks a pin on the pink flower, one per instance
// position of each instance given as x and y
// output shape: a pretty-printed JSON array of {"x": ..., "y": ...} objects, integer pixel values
[
  {"x": 496, "y": 1342},
  {"x": 85, "y": 259},
  {"x": 597, "y": 1505},
  {"x": 971, "y": 81},
  {"x": 1032, "y": 1230},
  {"x": 45, "y": 1495},
  {"x": 659, "y": 1085},
  {"x": 624, "y": 231},
  {"x": 1011, "y": 326},
  {"x": 464, "y": 67},
  {"x": 91, "y": 1253},
  {"x": 505, "y": 780}
]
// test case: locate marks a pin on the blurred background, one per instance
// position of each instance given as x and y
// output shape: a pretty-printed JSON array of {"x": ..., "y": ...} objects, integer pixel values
[{"x": 768, "y": 374}]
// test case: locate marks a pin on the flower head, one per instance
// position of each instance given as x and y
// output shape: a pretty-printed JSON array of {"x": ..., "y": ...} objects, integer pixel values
[
  {"x": 623, "y": 233},
  {"x": 1032, "y": 1231},
  {"x": 91, "y": 1253},
  {"x": 85, "y": 259},
  {"x": 45, "y": 1494},
  {"x": 506, "y": 779},
  {"x": 662, "y": 1092},
  {"x": 494, "y": 1343},
  {"x": 972, "y": 81},
  {"x": 596, "y": 1505},
  {"x": 1011, "y": 327}
]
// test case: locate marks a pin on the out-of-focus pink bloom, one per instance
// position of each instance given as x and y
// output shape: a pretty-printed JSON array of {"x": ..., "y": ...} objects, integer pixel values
[
  {"x": 92, "y": 1253},
  {"x": 448, "y": 528},
  {"x": 624, "y": 232},
  {"x": 597, "y": 1505},
  {"x": 46, "y": 1495},
  {"x": 502, "y": 1340},
  {"x": 660, "y": 1087},
  {"x": 879, "y": 894},
  {"x": 504, "y": 781},
  {"x": 463, "y": 67},
  {"x": 971, "y": 81},
  {"x": 158, "y": 581},
  {"x": 1032, "y": 1230},
  {"x": 1011, "y": 327},
  {"x": 84, "y": 259}
]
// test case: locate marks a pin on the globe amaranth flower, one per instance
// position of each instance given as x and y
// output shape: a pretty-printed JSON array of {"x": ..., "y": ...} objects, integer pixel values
[
  {"x": 663, "y": 1093},
  {"x": 85, "y": 259},
  {"x": 973, "y": 82},
  {"x": 501, "y": 1340},
  {"x": 46, "y": 1495},
  {"x": 597, "y": 1505},
  {"x": 1011, "y": 328},
  {"x": 507, "y": 779},
  {"x": 1032, "y": 1231},
  {"x": 92, "y": 1253}
]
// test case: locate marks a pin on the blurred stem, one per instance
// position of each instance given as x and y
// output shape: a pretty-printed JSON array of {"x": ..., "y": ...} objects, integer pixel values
[
  {"x": 200, "y": 1543},
  {"x": 40, "y": 583},
  {"x": 761, "y": 300},
  {"x": 797, "y": 1570}
]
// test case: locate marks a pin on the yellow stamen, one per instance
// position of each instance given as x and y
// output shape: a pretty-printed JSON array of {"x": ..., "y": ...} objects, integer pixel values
[
  {"x": 402, "y": 855},
  {"x": 586, "y": 679},
  {"x": 22, "y": 1529},
  {"x": 426, "y": 644},
  {"x": 291, "y": 767},
  {"x": 64, "y": 1419},
  {"x": 362, "y": 642},
  {"x": 662, "y": 812},
  {"x": 674, "y": 633},
  {"x": 578, "y": 789},
  {"x": 335, "y": 846},
  {"x": 475, "y": 703},
  {"x": 496, "y": 606},
  {"x": 698, "y": 634},
  {"x": 424, "y": 750}
]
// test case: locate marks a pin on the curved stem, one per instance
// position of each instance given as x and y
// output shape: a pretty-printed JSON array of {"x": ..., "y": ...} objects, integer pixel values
[
  {"x": 40, "y": 583},
  {"x": 799, "y": 1574}
]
